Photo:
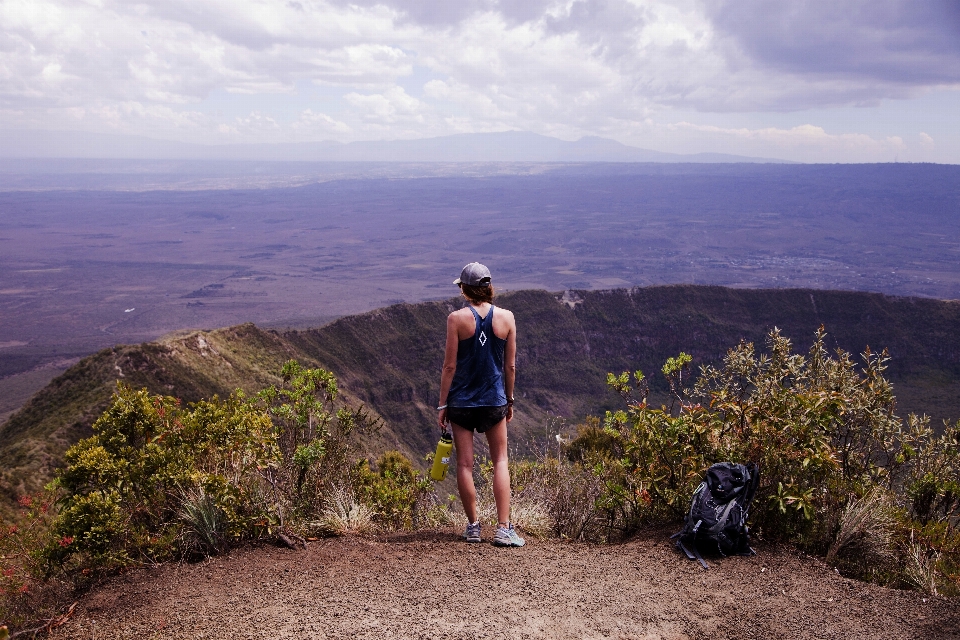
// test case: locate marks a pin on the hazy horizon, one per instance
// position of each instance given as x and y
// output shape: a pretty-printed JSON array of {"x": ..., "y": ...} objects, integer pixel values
[{"x": 504, "y": 146}]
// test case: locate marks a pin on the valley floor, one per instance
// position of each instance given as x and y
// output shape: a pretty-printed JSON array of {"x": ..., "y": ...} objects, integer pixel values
[{"x": 433, "y": 585}]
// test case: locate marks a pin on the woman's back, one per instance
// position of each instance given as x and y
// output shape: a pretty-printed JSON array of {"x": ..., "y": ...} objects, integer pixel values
[
  {"x": 478, "y": 381},
  {"x": 465, "y": 322}
]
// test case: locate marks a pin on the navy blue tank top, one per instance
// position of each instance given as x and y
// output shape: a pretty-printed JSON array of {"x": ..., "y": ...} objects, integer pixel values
[{"x": 478, "y": 381}]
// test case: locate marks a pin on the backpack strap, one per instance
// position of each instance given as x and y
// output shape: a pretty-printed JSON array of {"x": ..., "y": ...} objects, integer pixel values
[
  {"x": 693, "y": 555},
  {"x": 722, "y": 520}
]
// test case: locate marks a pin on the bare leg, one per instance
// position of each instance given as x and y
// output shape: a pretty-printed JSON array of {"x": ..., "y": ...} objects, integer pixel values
[
  {"x": 497, "y": 439},
  {"x": 463, "y": 441}
]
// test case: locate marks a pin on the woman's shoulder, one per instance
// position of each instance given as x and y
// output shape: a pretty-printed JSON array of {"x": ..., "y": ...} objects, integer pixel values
[
  {"x": 464, "y": 311},
  {"x": 460, "y": 316},
  {"x": 504, "y": 317}
]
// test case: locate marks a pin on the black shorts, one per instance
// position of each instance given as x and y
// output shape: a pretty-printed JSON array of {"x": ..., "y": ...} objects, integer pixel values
[{"x": 478, "y": 419}]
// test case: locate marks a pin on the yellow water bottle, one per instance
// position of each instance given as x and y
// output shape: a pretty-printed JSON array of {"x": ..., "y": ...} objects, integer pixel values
[{"x": 441, "y": 459}]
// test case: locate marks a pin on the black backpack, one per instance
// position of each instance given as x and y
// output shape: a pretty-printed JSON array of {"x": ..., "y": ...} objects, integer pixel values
[{"x": 717, "y": 520}]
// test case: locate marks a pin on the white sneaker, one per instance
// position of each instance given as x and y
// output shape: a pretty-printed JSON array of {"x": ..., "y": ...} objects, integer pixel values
[{"x": 507, "y": 537}]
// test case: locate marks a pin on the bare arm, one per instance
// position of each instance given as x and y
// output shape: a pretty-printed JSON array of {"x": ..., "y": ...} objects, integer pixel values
[
  {"x": 510, "y": 365},
  {"x": 449, "y": 367}
]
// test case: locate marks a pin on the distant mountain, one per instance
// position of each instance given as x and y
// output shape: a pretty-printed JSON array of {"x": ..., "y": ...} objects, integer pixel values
[
  {"x": 507, "y": 146},
  {"x": 390, "y": 359}
]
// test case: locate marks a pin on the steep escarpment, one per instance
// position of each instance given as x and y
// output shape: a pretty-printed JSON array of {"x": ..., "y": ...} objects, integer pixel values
[{"x": 389, "y": 359}]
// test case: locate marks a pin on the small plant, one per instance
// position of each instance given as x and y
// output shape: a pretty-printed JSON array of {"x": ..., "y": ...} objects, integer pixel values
[
  {"x": 866, "y": 532},
  {"x": 920, "y": 571},
  {"x": 204, "y": 521},
  {"x": 345, "y": 515}
]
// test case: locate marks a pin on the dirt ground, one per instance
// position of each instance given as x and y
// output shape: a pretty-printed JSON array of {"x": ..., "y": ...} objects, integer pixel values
[{"x": 434, "y": 585}]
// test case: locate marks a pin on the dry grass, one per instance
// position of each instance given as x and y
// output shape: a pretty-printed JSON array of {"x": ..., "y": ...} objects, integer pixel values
[
  {"x": 531, "y": 516},
  {"x": 568, "y": 494},
  {"x": 920, "y": 571},
  {"x": 431, "y": 512},
  {"x": 345, "y": 515},
  {"x": 486, "y": 512},
  {"x": 528, "y": 512},
  {"x": 866, "y": 531}
]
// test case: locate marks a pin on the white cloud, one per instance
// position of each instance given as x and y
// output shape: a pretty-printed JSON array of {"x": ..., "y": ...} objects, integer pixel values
[
  {"x": 559, "y": 67},
  {"x": 311, "y": 123},
  {"x": 133, "y": 115},
  {"x": 392, "y": 106}
]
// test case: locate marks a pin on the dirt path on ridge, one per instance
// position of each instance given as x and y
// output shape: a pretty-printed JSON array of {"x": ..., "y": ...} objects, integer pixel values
[{"x": 433, "y": 585}]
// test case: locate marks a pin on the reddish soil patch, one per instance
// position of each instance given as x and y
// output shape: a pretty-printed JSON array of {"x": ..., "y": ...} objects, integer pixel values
[{"x": 433, "y": 585}]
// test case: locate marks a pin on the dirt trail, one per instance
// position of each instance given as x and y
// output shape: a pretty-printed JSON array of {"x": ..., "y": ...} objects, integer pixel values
[{"x": 433, "y": 585}]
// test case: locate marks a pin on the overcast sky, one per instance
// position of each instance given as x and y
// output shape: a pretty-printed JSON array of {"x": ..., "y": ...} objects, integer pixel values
[{"x": 822, "y": 80}]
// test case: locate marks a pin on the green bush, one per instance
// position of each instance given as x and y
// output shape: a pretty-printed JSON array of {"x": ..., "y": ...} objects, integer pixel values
[
  {"x": 822, "y": 430},
  {"x": 157, "y": 480},
  {"x": 124, "y": 488},
  {"x": 317, "y": 437},
  {"x": 394, "y": 491}
]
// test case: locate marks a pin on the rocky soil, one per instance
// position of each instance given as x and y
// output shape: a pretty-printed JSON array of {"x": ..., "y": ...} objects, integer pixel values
[{"x": 433, "y": 585}]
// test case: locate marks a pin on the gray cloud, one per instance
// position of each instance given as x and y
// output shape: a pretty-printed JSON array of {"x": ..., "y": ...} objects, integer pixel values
[
  {"x": 889, "y": 41},
  {"x": 451, "y": 12},
  {"x": 612, "y": 25}
]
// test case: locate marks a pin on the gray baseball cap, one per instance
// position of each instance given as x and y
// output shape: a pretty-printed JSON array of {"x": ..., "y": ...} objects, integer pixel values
[{"x": 474, "y": 275}]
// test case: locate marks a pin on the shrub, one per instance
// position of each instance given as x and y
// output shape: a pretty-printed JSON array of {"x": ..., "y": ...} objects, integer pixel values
[
  {"x": 932, "y": 556},
  {"x": 25, "y": 593},
  {"x": 933, "y": 471},
  {"x": 841, "y": 473},
  {"x": 157, "y": 480},
  {"x": 152, "y": 466},
  {"x": 817, "y": 428},
  {"x": 316, "y": 436},
  {"x": 393, "y": 491}
]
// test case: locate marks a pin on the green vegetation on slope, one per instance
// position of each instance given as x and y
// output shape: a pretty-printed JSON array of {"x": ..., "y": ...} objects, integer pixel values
[
  {"x": 389, "y": 359},
  {"x": 191, "y": 367}
]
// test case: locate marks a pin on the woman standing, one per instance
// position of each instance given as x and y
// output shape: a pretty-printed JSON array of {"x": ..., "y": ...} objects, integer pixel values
[{"x": 476, "y": 394}]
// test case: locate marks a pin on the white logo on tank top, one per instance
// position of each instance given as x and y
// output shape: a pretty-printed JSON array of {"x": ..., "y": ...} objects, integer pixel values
[{"x": 483, "y": 338}]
